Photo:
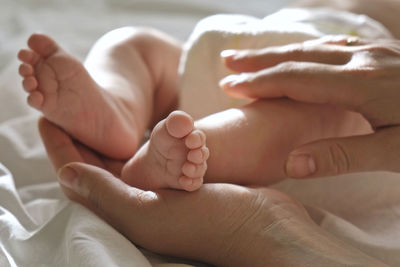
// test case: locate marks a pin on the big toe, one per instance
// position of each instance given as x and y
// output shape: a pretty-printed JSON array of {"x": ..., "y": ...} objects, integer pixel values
[
  {"x": 42, "y": 44},
  {"x": 168, "y": 134},
  {"x": 179, "y": 124}
]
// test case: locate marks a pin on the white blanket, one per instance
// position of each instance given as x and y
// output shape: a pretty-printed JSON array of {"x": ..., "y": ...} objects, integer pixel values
[
  {"x": 39, "y": 227},
  {"x": 362, "y": 209}
]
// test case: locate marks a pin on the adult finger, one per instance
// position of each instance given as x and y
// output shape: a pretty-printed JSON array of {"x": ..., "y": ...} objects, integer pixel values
[
  {"x": 61, "y": 149},
  {"x": 258, "y": 59},
  {"x": 58, "y": 144},
  {"x": 341, "y": 39},
  {"x": 89, "y": 185},
  {"x": 378, "y": 151},
  {"x": 301, "y": 81},
  {"x": 170, "y": 222},
  {"x": 102, "y": 192}
]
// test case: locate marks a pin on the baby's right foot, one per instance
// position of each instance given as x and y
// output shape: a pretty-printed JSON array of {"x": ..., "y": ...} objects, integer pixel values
[
  {"x": 175, "y": 156},
  {"x": 61, "y": 88}
]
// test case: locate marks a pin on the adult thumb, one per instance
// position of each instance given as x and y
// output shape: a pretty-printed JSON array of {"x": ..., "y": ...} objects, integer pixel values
[
  {"x": 97, "y": 189},
  {"x": 379, "y": 151}
]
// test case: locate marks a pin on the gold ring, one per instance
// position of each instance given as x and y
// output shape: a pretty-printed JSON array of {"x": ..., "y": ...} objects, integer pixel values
[{"x": 352, "y": 41}]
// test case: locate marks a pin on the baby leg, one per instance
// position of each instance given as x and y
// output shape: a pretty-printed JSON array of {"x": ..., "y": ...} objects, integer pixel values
[
  {"x": 247, "y": 146},
  {"x": 127, "y": 83},
  {"x": 250, "y": 145}
]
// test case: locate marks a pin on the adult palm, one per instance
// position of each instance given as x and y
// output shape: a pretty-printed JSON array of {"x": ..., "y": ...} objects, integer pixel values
[{"x": 221, "y": 224}]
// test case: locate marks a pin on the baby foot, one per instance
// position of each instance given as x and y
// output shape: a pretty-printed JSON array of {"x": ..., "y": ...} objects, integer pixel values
[
  {"x": 62, "y": 89},
  {"x": 174, "y": 157}
]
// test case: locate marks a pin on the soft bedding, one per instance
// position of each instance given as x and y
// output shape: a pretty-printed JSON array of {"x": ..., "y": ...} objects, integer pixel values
[{"x": 40, "y": 227}]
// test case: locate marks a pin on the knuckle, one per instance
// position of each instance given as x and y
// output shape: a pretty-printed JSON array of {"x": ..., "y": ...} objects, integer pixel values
[
  {"x": 375, "y": 54},
  {"x": 379, "y": 49},
  {"x": 339, "y": 159},
  {"x": 295, "y": 50},
  {"x": 279, "y": 73},
  {"x": 143, "y": 198},
  {"x": 286, "y": 67},
  {"x": 292, "y": 48},
  {"x": 363, "y": 71},
  {"x": 334, "y": 39},
  {"x": 247, "y": 54}
]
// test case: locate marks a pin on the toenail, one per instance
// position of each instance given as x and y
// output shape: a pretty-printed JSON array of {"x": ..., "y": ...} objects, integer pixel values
[
  {"x": 205, "y": 152},
  {"x": 197, "y": 139},
  {"x": 202, "y": 137},
  {"x": 67, "y": 176}
]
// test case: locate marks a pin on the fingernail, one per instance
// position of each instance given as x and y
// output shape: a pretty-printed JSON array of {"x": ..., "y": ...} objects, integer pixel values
[
  {"x": 234, "y": 79},
  {"x": 227, "y": 81},
  {"x": 300, "y": 165},
  {"x": 67, "y": 176},
  {"x": 228, "y": 53}
]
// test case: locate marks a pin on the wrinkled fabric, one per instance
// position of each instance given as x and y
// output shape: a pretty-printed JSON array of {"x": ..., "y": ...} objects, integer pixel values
[
  {"x": 361, "y": 209},
  {"x": 40, "y": 227},
  {"x": 201, "y": 66}
]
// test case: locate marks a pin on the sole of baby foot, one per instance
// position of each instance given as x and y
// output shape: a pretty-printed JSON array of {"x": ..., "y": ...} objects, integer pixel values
[
  {"x": 62, "y": 89},
  {"x": 174, "y": 157}
]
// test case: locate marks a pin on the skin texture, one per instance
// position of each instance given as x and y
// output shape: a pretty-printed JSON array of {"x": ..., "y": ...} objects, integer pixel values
[
  {"x": 106, "y": 106},
  {"x": 176, "y": 152},
  {"x": 362, "y": 77},
  {"x": 264, "y": 227},
  {"x": 221, "y": 224},
  {"x": 61, "y": 88},
  {"x": 104, "y": 99}
]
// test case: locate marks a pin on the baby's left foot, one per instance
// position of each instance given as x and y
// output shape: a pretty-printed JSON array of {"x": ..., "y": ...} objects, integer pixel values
[{"x": 175, "y": 156}]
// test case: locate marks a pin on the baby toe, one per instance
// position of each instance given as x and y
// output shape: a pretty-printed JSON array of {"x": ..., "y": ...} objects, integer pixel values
[
  {"x": 35, "y": 99},
  {"x": 194, "y": 170},
  {"x": 30, "y": 83},
  {"x": 28, "y": 56},
  {"x": 190, "y": 184},
  {"x": 198, "y": 155},
  {"x": 195, "y": 139},
  {"x": 42, "y": 44},
  {"x": 179, "y": 124},
  {"x": 25, "y": 70}
]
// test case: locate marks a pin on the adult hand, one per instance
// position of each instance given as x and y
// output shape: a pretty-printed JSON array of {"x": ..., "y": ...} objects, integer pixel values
[
  {"x": 359, "y": 75},
  {"x": 213, "y": 224},
  {"x": 221, "y": 224}
]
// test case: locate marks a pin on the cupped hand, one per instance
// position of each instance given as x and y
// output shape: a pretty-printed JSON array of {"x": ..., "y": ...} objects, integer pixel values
[
  {"x": 220, "y": 224},
  {"x": 62, "y": 149},
  {"x": 359, "y": 75}
]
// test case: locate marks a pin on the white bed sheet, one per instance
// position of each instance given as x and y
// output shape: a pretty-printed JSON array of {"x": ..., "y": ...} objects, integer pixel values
[{"x": 39, "y": 227}]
